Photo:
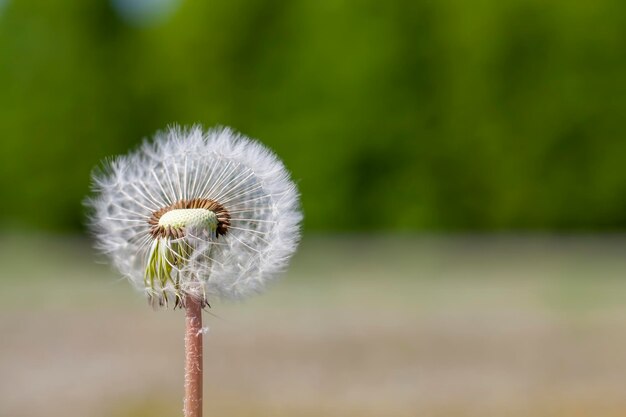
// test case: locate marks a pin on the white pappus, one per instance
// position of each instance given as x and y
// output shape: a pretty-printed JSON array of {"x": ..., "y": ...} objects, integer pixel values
[{"x": 192, "y": 213}]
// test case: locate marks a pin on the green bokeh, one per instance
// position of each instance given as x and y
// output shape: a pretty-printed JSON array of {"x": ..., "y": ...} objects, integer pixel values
[{"x": 402, "y": 115}]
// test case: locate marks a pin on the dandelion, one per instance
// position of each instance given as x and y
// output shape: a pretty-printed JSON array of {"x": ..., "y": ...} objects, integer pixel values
[{"x": 195, "y": 216}]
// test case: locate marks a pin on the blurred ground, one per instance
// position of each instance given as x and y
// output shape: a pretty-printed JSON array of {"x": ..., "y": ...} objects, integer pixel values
[{"x": 360, "y": 326}]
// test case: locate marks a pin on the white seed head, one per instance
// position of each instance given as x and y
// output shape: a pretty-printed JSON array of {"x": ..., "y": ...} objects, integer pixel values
[{"x": 205, "y": 214}]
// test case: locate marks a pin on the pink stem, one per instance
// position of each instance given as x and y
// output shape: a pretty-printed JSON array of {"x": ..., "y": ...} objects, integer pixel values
[{"x": 193, "y": 358}]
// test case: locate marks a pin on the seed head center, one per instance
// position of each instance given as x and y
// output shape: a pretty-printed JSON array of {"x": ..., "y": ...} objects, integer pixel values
[
  {"x": 175, "y": 220},
  {"x": 197, "y": 218}
]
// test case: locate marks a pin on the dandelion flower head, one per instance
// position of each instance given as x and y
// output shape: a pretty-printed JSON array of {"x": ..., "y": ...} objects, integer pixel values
[{"x": 192, "y": 213}]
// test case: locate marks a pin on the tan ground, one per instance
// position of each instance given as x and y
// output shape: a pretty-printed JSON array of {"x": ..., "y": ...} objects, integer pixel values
[{"x": 361, "y": 326}]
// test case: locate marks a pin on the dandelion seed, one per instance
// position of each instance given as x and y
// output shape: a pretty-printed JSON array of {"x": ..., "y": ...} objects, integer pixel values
[{"x": 194, "y": 216}]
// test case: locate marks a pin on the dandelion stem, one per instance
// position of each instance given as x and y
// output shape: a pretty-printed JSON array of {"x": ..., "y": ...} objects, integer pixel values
[{"x": 193, "y": 357}]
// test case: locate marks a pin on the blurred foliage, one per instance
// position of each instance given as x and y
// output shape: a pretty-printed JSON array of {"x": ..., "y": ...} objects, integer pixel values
[{"x": 401, "y": 115}]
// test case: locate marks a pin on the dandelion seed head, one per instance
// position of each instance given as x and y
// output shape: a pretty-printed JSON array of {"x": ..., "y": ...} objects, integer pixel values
[{"x": 209, "y": 214}]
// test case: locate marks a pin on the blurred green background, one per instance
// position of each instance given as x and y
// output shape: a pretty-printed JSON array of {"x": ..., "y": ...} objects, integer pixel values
[{"x": 447, "y": 115}]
